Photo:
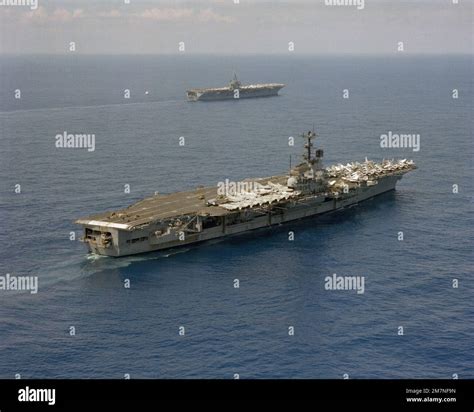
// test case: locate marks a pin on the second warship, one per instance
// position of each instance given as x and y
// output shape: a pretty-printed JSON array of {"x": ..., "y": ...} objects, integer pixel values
[
  {"x": 235, "y": 90},
  {"x": 182, "y": 218}
]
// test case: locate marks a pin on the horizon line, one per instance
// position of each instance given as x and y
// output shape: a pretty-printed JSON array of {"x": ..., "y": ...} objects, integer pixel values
[{"x": 291, "y": 54}]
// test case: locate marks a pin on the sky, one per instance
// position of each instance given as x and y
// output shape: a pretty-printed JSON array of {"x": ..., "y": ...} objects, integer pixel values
[{"x": 236, "y": 26}]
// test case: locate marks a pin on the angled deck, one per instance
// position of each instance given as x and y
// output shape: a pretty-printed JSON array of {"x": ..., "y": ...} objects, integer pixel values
[{"x": 166, "y": 206}]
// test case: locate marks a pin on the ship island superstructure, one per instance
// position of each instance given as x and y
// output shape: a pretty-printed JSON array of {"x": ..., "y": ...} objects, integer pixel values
[
  {"x": 171, "y": 220},
  {"x": 234, "y": 90}
]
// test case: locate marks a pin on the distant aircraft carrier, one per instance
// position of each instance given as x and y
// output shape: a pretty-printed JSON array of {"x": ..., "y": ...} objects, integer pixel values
[
  {"x": 165, "y": 221},
  {"x": 235, "y": 90}
]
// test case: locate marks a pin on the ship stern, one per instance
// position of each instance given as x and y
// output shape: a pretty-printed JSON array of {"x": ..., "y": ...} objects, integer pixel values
[{"x": 101, "y": 238}]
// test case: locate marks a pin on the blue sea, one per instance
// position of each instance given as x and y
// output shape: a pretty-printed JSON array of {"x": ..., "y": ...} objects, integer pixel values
[{"x": 230, "y": 330}]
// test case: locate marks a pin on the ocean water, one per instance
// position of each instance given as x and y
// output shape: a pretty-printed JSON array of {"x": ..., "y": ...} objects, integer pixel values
[{"x": 227, "y": 330}]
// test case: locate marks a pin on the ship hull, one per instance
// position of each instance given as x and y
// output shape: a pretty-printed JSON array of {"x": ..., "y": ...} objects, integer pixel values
[
  {"x": 311, "y": 206},
  {"x": 229, "y": 94}
]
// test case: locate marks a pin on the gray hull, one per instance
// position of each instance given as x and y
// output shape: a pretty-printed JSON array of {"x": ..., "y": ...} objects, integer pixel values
[
  {"x": 213, "y": 95},
  {"x": 143, "y": 240}
]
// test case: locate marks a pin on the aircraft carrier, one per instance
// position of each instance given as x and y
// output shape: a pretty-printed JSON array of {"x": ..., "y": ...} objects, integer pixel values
[
  {"x": 235, "y": 90},
  {"x": 171, "y": 220}
]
